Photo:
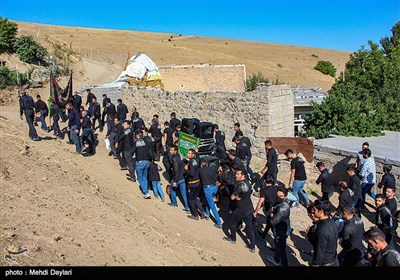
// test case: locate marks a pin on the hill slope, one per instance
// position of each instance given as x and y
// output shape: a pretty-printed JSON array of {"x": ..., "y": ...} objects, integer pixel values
[{"x": 292, "y": 64}]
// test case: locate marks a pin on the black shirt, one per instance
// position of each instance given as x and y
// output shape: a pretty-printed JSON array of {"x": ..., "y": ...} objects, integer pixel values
[
  {"x": 110, "y": 110},
  {"x": 243, "y": 190},
  {"x": 280, "y": 220},
  {"x": 89, "y": 98},
  {"x": 392, "y": 205},
  {"x": 154, "y": 175},
  {"x": 122, "y": 110},
  {"x": 228, "y": 180},
  {"x": 26, "y": 103},
  {"x": 155, "y": 130},
  {"x": 137, "y": 124},
  {"x": 141, "y": 149},
  {"x": 242, "y": 149},
  {"x": 272, "y": 161},
  {"x": 173, "y": 123},
  {"x": 298, "y": 165},
  {"x": 125, "y": 139},
  {"x": 77, "y": 101},
  {"x": 270, "y": 196},
  {"x": 353, "y": 233},
  {"x": 177, "y": 167},
  {"x": 388, "y": 179},
  {"x": 40, "y": 105},
  {"x": 325, "y": 179},
  {"x": 388, "y": 257},
  {"x": 220, "y": 139},
  {"x": 192, "y": 173},
  {"x": 355, "y": 186},
  {"x": 208, "y": 176},
  {"x": 326, "y": 236},
  {"x": 346, "y": 198},
  {"x": 169, "y": 141},
  {"x": 86, "y": 123}
]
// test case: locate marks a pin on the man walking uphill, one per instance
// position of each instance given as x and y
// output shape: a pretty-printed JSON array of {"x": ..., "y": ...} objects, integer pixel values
[{"x": 26, "y": 105}]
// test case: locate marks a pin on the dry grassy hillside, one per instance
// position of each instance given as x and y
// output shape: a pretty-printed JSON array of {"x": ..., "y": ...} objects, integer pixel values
[{"x": 292, "y": 64}]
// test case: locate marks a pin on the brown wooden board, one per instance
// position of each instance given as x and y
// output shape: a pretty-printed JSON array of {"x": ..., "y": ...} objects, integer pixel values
[{"x": 297, "y": 145}]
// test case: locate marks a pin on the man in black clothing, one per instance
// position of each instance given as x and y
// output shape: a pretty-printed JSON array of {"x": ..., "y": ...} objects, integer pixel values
[
  {"x": 155, "y": 131},
  {"x": 104, "y": 105},
  {"x": 326, "y": 236},
  {"x": 345, "y": 197},
  {"x": 87, "y": 134},
  {"x": 177, "y": 180},
  {"x": 142, "y": 151},
  {"x": 137, "y": 122},
  {"x": 122, "y": 110},
  {"x": 353, "y": 232},
  {"x": 236, "y": 128},
  {"x": 90, "y": 96},
  {"x": 243, "y": 150},
  {"x": 385, "y": 255},
  {"x": 384, "y": 219},
  {"x": 54, "y": 114},
  {"x": 42, "y": 111},
  {"x": 95, "y": 110},
  {"x": 355, "y": 186},
  {"x": 325, "y": 179},
  {"x": 193, "y": 185},
  {"x": 271, "y": 166},
  {"x": 268, "y": 198},
  {"x": 26, "y": 106},
  {"x": 244, "y": 210},
  {"x": 125, "y": 140},
  {"x": 174, "y": 121},
  {"x": 388, "y": 178},
  {"x": 111, "y": 112},
  {"x": 219, "y": 137},
  {"x": 235, "y": 159},
  {"x": 168, "y": 141},
  {"x": 226, "y": 184},
  {"x": 77, "y": 100},
  {"x": 279, "y": 218}
]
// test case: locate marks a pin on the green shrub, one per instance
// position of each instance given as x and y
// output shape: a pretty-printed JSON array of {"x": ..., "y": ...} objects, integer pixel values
[
  {"x": 254, "y": 79},
  {"x": 326, "y": 67},
  {"x": 10, "y": 78},
  {"x": 8, "y": 33},
  {"x": 29, "y": 50}
]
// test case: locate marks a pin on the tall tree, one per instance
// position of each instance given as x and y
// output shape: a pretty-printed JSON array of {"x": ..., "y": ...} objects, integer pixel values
[
  {"x": 8, "y": 33},
  {"x": 367, "y": 99}
]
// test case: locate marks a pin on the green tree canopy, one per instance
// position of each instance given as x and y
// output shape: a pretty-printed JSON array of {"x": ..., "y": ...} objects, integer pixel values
[
  {"x": 8, "y": 33},
  {"x": 326, "y": 67},
  {"x": 29, "y": 50},
  {"x": 365, "y": 98}
]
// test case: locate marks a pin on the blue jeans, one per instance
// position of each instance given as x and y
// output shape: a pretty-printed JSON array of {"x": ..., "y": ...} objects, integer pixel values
[
  {"x": 157, "y": 189},
  {"x": 366, "y": 189},
  {"x": 56, "y": 127},
  {"x": 209, "y": 194},
  {"x": 298, "y": 188},
  {"x": 182, "y": 187},
  {"x": 249, "y": 170},
  {"x": 42, "y": 119},
  {"x": 75, "y": 138},
  {"x": 142, "y": 168}
]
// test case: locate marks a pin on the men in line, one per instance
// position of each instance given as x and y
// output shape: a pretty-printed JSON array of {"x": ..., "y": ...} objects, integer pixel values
[
  {"x": 243, "y": 151},
  {"x": 298, "y": 178},
  {"x": 325, "y": 179},
  {"x": 271, "y": 166},
  {"x": 125, "y": 140},
  {"x": 95, "y": 114},
  {"x": 243, "y": 211},
  {"x": 26, "y": 106},
  {"x": 355, "y": 186},
  {"x": 385, "y": 255},
  {"x": 193, "y": 185},
  {"x": 177, "y": 180},
  {"x": 383, "y": 217},
  {"x": 87, "y": 133}
]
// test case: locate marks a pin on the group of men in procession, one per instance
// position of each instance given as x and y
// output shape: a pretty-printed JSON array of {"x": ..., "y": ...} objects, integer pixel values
[{"x": 228, "y": 178}]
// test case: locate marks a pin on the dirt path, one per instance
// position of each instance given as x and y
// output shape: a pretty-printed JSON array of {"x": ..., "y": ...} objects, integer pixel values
[{"x": 70, "y": 210}]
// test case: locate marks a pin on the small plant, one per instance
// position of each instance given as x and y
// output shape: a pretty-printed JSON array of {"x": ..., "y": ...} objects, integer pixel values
[
  {"x": 326, "y": 67},
  {"x": 280, "y": 65},
  {"x": 13, "y": 78},
  {"x": 254, "y": 79}
]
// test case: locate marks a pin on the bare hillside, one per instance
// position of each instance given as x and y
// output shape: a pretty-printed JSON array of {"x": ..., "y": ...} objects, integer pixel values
[{"x": 291, "y": 64}]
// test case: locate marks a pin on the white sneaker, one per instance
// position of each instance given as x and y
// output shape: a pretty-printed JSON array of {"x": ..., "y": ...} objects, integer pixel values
[{"x": 147, "y": 196}]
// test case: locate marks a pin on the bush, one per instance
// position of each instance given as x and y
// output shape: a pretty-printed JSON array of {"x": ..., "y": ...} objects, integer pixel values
[
  {"x": 253, "y": 80},
  {"x": 8, "y": 33},
  {"x": 9, "y": 77},
  {"x": 326, "y": 67},
  {"x": 29, "y": 50}
]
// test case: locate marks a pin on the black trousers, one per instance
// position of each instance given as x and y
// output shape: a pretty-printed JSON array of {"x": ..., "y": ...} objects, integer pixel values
[
  {"x": 30, "y": 116},
  {"x": 157, "y": 143},
  {"x": 247, "y": 216},
  {"x": 130, "y": 163},
  {"x": 280, "y": 248},
  {"x": 193, "y": 199},
  {"x": 100, "y": 123}
]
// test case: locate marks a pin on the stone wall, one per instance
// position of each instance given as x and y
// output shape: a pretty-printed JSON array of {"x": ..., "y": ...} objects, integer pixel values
[
  {"x": 266, "y": 111},
  {"x": 204, "y": 78}
]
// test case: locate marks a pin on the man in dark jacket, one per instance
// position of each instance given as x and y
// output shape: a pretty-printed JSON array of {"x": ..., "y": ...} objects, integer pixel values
[
  {"x": 388, "y": 179},
  {"x": 244, "y": 210},
  {"x": 271, "y": 166},
  {"x": 122, "y": 110},
  {"x": 355, "y": 186},
  {"x": 90, "y": 96},
  {"x": 326, "y": 236},
  {"x": 345, "y": 197},
  {"x": 104, "y": 105},
  {"x": 26, "y": 106},
  {"x": 174, "y": 122},
  {"x": 279, "y": 219},
  {"x": 125, "y": 139},
  {"x": 95, "y": 110},
  {"x": 385, "y": 255},
  {"x": 353, "y": 231},
  {"x": 142, "y": 151},
  {"x": 74, "y": 126},
  {"x": 77, "y": 100},
  {"x": 219, "y": 137},
  {"x": 177, "y": 180},
  {"x": 155, "y": 131},
  {"x": 42, "y": 111},
  {"x": 87, "y": 134},
  {"x": 383, "y": 217},
  {"x": 111, "y": 112},
  {"x": 137, "y": 122},
  {"x": 325, "y": 179}
]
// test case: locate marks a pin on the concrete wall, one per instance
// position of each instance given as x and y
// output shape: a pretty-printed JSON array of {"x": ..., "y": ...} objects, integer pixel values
[
  {"x": 204, "y": 78},
  {"x": 266, "y": 111}
]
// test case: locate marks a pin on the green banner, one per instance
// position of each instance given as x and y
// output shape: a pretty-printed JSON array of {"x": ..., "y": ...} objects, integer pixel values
[{"x": 187, "y": 142}]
